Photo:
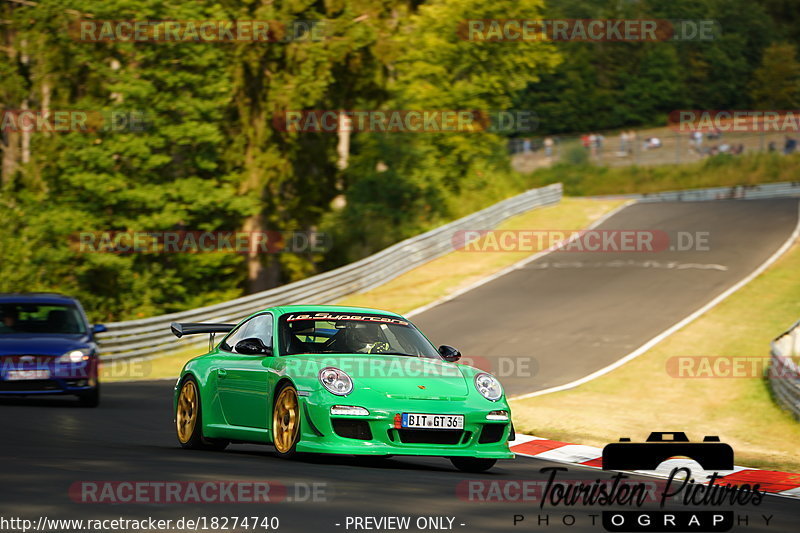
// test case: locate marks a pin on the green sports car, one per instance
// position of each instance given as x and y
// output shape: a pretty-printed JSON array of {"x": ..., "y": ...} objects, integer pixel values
[{"x": 344, "y": 380}]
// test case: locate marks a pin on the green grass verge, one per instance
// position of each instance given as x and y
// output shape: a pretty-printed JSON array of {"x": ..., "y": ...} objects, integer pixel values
[
  {"x": 418, "y": 287},
  {"x": 640, "y": 396},
  {"x": 158, "y": 367},
  {"x": 719, "y": 171}
]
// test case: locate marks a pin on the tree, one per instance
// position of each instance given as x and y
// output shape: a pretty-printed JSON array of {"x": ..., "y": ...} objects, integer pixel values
[
  {"x": 609, "y": 85},
  {"x": 169, "y": 176},
  {"x": 400, "y": 183},
  {"x": 294, "y": 174},
  {"x": 776, "y": 83}
]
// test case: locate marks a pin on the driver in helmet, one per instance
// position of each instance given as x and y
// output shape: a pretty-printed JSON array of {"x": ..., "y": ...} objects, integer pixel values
[
  {"x": 9, "y": 318},
  {"x": 362, "y": 337}
]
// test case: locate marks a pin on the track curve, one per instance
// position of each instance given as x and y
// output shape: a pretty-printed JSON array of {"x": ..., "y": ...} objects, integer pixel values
[{"x": 569, "y": 314}]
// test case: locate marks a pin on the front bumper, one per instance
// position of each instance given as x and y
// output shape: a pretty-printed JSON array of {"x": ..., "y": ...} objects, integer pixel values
[
  {"x": 42, "y": 386},
  {"x": 62, "y": 379},
  {"x": 378, "y": 434}
]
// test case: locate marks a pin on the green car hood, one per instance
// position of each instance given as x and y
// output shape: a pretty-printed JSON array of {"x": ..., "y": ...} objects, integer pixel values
[{"x": 391, "y": 375}]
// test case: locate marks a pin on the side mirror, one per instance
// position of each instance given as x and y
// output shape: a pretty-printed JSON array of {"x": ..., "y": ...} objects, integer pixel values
[
  {"x": 99, "y": 328},
  {"x": 449, "y": 353},
  {"x": 252, "y": 346}
]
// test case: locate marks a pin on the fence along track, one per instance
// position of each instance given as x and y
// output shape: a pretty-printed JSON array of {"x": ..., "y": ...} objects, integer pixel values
[{"x": 149, "y": 336}]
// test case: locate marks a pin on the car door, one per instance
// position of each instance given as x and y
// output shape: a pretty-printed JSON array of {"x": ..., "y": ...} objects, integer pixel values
[{"x": 243, "y": 379}]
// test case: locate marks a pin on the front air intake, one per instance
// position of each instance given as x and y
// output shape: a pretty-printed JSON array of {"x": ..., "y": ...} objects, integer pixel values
[
  {"x": 352, "y": 429},
  {"x": 430, "y": 436}
]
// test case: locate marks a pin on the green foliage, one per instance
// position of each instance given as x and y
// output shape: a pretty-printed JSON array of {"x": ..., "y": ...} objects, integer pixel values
[
  {"x": 719, "y": 171},
  {"x": 576, "y": 155},
  {"x": 603, "y": 86},
  {"x": 212, "y": 159},
  {"x": 776, "y": 83},
  {"x": 170, "y": 176},
  {"x": 399, "y": 184}
]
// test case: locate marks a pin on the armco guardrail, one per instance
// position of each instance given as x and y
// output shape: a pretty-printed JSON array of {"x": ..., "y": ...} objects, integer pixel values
[
  {"x": 737, "y": 192},
  {"x": 148, "y": 336},
  {"x": 784, "y": 376}
]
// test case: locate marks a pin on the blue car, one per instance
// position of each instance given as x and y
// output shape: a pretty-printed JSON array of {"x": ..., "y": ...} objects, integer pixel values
[{"x": 47, "y": 347}]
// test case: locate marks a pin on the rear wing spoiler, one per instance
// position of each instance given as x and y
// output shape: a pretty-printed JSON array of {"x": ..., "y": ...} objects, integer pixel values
[{"x": 179, "y": 329}]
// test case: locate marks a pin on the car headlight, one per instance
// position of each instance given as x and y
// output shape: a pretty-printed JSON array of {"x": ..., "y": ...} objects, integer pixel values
[
  {"x": 336, "y": 381},
  {"x": 488, "y": 386},
  {"x": 349, "y": 410},
  {"x": 75, "y": 356}
]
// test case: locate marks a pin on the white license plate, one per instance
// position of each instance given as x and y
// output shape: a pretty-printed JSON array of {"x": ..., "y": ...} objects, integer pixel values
[
  {"x": 427, "y": 421},
  {"x": 21, "y": 375}
]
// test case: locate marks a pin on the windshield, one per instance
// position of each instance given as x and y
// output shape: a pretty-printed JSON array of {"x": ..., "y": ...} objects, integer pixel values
[
  {"x": 40, "y": 318},
  {"x": 352, "y": 333}
]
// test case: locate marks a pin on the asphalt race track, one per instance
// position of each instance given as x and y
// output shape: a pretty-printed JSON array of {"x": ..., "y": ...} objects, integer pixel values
[
  {"x": 568, "y": 314},
  {"x": 573, "y": 312},
  {"x": 50, "y": 444}
]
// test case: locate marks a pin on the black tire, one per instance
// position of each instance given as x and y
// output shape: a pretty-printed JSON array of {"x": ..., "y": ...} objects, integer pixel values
[
  {"x": 90, "y": 398},
  {"x": 288, "y": 450},
  {"x": 196, "y": 440},
  {"x": 472, "y": 464}
]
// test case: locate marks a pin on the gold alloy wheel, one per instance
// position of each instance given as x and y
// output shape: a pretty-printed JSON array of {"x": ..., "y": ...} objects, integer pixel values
[
  {"x": 186, "y": 418},
  {"x": 285, "y": 420}
]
